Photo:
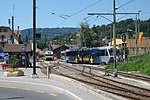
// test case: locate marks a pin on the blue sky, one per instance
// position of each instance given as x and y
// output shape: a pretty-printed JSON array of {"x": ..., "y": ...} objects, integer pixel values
[{"x": 67, "y": 13}]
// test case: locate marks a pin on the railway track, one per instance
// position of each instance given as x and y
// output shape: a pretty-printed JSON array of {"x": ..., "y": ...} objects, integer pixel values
[
  {"x": 112, "y": 86},
  {"x": 106, "y": 84},
  {"x": 124, "y": 74}
]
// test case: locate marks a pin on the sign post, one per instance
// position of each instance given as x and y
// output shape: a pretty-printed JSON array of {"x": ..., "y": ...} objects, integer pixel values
[{"x": 124, "y": 46}]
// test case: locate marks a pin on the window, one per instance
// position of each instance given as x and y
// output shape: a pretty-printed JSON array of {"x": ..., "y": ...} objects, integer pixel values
[
  {"x": 2, "y": 37},
  {"x": 0, "y": 30},
  {"x": 103, "y": 52},
  {"x": 5, "y": 30}
]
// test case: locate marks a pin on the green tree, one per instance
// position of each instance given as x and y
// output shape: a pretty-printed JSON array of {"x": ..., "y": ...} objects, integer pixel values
[
  {"x": 41, "y": 44},
  {"x": 88, "y": 37}
]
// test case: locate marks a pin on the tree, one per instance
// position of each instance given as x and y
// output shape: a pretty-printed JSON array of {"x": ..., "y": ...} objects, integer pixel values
[
  {"x": 88, "y": 37},
  {"x": 41, "y": 44}
]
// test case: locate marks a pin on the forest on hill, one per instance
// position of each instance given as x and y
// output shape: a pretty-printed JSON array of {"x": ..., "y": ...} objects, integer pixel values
[
  {"x": 48, "y": 32},
  {"x": 105, "y": 32},
  {"x": 86, "y": 35}
]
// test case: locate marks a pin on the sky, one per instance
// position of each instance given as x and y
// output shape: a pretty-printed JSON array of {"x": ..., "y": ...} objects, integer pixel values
[{"x": 68, "y": 13}]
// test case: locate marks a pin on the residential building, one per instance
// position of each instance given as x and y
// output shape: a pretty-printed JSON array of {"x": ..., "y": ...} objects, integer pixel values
[
  {"x": 57, "y": 50},
  {"x": 6, "y": 36},
  {"x": 143, "y": 47},
  {"x": 21, "y": 51}
]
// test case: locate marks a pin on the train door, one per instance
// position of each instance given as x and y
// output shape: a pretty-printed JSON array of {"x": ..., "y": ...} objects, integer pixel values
[{"x": 96, "y": 57}]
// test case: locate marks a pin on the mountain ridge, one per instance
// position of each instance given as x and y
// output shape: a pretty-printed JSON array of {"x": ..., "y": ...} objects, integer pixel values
[{"x": 48, "y": 32}]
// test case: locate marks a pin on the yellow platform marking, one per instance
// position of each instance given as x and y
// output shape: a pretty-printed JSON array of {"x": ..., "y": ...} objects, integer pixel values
[
  {"x": 39, "y": 91},
  {"x": 7, "y": 87},
  {"x": 53, "y": 94}
]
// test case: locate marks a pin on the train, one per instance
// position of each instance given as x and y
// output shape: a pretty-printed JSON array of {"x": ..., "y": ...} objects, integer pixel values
[
  {"x": 49, "y": 55},
  {"x": 97, "y": 55}
]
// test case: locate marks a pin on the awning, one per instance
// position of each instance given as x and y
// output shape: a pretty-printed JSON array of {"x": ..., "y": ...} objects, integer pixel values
[{"x": 2, "y": 54}]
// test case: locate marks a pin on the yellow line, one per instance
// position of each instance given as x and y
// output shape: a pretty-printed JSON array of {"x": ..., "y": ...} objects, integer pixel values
[
  {"x": 39, "y": 91},
  {"x": 53, "y": 94},
  {"x": 7, "y": 87}
]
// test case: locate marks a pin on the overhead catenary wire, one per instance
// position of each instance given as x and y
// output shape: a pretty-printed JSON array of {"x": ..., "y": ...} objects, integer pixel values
[
  {"x": 86, "y": 7},
  {"x": 121, "y": 6},
  {"x": 65, "y": 16},
  {"x": 123, "y": 10},
  {"x": 81, "y": 10}
]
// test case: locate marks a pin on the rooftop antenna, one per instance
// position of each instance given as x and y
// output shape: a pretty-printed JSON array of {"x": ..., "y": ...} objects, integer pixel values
[
  {"x": 13, "y": 26},
  {"x": 9, "y": 22}
]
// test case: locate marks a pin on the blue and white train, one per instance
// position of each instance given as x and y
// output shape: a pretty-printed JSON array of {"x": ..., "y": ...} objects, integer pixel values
[{"x": 97, "y": 55}]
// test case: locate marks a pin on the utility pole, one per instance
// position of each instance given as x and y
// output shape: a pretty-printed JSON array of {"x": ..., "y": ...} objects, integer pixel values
[
  {"x": 114, "y": 36},
  {"x": 34, "y": 75},
  {"x": 138, "y": 32},
  {"x": 12, "y": 38},
  {"x": 114, "y": 32},
  {"x": 114, "y": 29}
]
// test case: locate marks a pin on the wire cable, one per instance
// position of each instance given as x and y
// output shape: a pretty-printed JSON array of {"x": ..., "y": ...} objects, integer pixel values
[
  {"x": 86, "y": 7},
  {"x": 81, "y": 10},
  {"x": 121, "y": 6}
]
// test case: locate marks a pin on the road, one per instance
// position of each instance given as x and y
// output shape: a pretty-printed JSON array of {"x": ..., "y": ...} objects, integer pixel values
[
  {"x": 19, "y": 94},
  {"x": 55, "y": 88},
  {"x": 18, "y": 90}
]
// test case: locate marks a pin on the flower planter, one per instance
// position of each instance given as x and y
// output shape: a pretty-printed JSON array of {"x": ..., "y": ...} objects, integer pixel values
[{"x": 13, "y": 74}]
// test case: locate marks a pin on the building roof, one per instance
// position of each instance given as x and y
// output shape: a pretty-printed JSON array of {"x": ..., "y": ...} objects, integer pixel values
[
  {"x": 14, "y": 48},
  {"x": 4, "y": 27},
  {"x": 54, "y": 47}
]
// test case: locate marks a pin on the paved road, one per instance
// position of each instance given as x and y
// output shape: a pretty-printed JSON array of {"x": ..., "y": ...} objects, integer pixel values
[
  {"x": 22, "y": 87},
  {"x": 19, "y": 94}
]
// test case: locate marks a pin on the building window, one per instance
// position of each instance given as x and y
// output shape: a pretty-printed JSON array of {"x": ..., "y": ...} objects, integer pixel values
[
  {"x": 5, "y": 30},
  {"x": 0, "y": 30},
  {"x": 3, "y": 37}
]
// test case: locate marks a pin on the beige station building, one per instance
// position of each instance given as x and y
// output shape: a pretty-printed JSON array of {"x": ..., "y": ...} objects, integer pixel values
[{"x": 143, "y": 46}]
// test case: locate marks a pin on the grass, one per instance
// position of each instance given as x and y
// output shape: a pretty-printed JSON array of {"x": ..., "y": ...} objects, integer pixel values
[{"x": 141, "y": 65}]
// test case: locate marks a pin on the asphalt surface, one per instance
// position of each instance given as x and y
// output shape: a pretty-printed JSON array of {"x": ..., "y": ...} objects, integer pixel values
[
  {"x": 20, "y": 94},
  {"x": 27, "y": 88}
]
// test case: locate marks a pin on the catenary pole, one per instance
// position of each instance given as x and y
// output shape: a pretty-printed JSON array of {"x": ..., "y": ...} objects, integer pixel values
[
  {"x": 114, "y": 30},
  {"x": 34, "y": 39},
  {"x": 114, "y": 36}
]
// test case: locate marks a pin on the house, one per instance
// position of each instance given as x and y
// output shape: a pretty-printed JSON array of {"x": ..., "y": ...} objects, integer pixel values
[
  {"x": 6, "y": 36},
  {"x": 118, "y": 43},
  {"x": 21, "y": 51},
  {"x": 144, "y": 46},
  {"x": 57, "y": 50}
]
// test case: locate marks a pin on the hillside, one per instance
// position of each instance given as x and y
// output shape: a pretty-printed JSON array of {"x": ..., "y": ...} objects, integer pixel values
[
  {"x": 105, "y": 31},
  {"x": 70, "y": 36},
  {"x": 49, "y": 32}
]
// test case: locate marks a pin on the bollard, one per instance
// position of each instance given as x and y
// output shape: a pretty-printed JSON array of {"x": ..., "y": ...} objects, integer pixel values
[{"x": 48, "y": 71}]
